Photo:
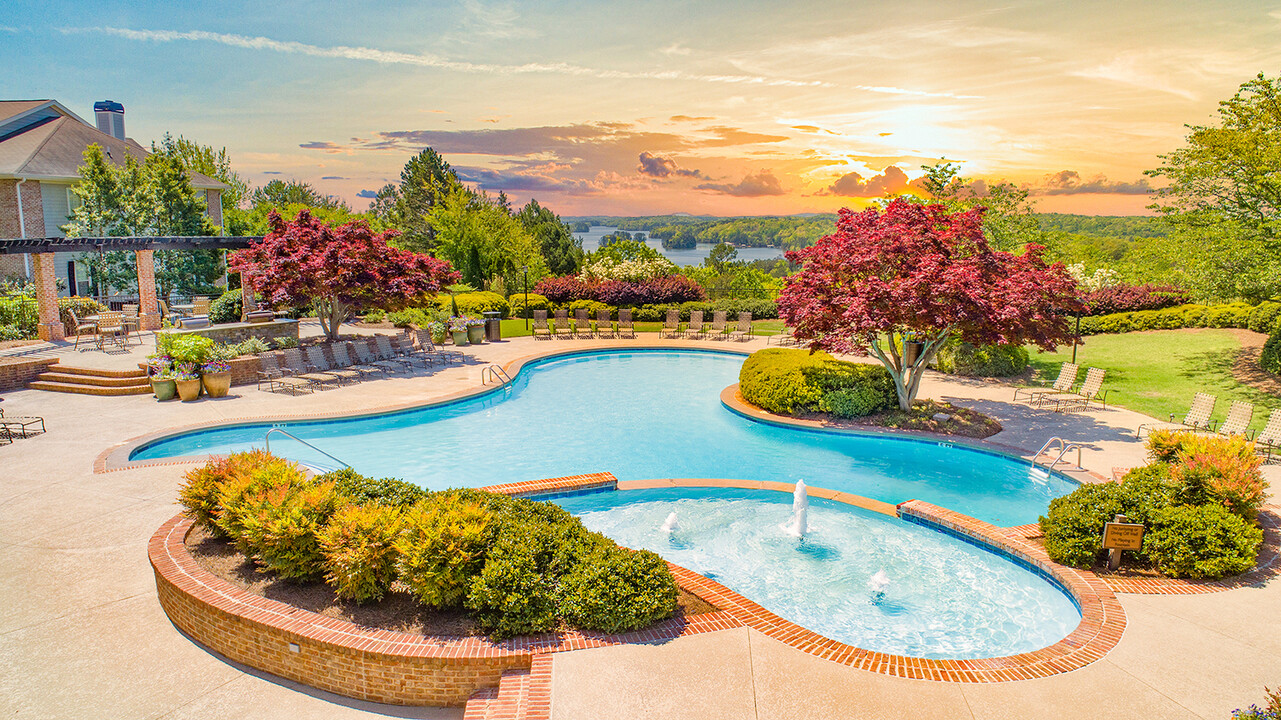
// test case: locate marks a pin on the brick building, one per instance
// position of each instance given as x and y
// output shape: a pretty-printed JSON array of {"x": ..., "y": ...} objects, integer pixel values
[{"x": 42, "y": 146}]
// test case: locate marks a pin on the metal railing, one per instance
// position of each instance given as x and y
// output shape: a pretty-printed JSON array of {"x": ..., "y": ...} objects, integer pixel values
[
  {"x": 1064, "y": 448},
  {"x": 267, "y": 439},
  {"x": 496, "y": 374}
]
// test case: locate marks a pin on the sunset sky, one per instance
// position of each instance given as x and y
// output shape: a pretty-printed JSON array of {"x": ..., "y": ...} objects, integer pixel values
[{"x": 725, "y": 108}]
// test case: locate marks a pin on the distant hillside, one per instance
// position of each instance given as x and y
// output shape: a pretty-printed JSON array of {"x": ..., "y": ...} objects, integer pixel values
[
  {"x": 1125, "y": 226},
  {"x": 788, "y": 232}
]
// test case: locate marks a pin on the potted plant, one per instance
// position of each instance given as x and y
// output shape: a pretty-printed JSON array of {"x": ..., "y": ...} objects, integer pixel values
[
  {"x": 187, "y": 380},
  {"x": 160, "y": 371},
  {"x": 215, "y": 374},
  {"x": 458, "y": 329},
  {"x": 439, "y": 331},
  {"x": 475, "y": 331}
]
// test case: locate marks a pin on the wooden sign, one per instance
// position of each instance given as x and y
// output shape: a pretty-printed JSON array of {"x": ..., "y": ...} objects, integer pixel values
[{"x": 1122, "y": 536}]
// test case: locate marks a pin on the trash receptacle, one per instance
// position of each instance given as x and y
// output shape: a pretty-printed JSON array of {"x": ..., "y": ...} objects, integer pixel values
[{"x": 493, "y": 326}]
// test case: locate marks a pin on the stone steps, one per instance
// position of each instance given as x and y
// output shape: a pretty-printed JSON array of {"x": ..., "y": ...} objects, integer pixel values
[
  {"x": 91, "y": 381},
  {"x": 521, "y": 695}
]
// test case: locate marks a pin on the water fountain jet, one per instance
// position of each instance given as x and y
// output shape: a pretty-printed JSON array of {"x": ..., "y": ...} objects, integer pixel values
[
  {"x": 671, "y": 525},
  {"x": 799, "y": 525}
]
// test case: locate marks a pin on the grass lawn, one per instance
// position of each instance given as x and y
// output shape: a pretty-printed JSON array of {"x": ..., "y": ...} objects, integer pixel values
[{"x": 1157, "y": 373}]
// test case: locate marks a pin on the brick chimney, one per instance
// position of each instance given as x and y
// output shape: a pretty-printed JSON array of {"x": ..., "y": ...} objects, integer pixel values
[{"x": 111, "y": 118}]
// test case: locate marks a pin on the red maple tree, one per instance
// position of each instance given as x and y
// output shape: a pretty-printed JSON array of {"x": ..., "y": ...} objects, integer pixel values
[
  {"x": 337, "y": 270},
  {"x": 917, "y": 273}
]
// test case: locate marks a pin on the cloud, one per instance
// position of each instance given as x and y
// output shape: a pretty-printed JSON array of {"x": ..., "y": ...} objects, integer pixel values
[
  {"x": 758, "y": 184},
  {"x": 499, "y": 21},
  {"x": 428, "y": 60},
  {"x": 1070, "y": 182},
  {"x": 891, "y": 181},
  {"x": 813, "y": 129},
  {"x": 657, "y": 166},
  {"x": 326, "y": 146},
  {"x": 675, "y": 49},
  {"x": 524, "y": 181},
  {"x": 367, "y": 194},
  {"x": 691, "y": 118}
]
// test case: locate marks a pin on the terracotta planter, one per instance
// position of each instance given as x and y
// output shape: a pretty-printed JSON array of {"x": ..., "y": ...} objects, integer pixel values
[
  {"x": 476, "y": 334},
  {"x": 216, "y": 384},
  {"x": 164, "y": 389},
  {"x": 188, "y": 390},
  {"x": 460, "y": 337}
]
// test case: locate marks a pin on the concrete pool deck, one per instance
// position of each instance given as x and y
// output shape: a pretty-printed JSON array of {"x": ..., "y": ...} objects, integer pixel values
[{"x": 81, "y": 630}]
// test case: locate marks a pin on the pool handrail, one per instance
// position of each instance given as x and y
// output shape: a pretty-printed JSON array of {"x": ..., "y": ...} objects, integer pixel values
[{"x": 267, "y": 439}]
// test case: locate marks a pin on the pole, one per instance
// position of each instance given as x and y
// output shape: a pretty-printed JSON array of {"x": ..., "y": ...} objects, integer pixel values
[
  {"x": 1076, "y": 339},
  {"x": 525, "y": 269},
  {"x": 1114, "y": 555}
]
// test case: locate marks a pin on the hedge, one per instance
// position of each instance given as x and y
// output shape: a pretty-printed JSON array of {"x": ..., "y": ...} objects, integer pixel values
[
  {"x": 670, "y": 289},
  {"x": 226, "y": 308},
  {"x": 789, "y": 381},
  {"x": 1270, "y": 358},
  {"x": 958, "y": 358},
  {"x": 474, "y": 304},
  {"x": 1261, "y": 318}
]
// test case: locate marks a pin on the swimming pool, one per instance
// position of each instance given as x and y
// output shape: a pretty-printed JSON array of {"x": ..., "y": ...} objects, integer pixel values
[
  {"x": 641, "y": 415},
  {"x": 865, "y": 579}
]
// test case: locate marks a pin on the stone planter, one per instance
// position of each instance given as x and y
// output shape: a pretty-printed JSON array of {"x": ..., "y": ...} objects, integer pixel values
[
  {"x": 164, "y": 389},
  {"x": 188, "y": 390},
  {"x": 476, "y": 334},
  {"x": 460, "y": 337},
  {"x": 216, "y": 384}
]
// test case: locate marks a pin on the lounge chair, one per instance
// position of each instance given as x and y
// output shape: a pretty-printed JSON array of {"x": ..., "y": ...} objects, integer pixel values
[
  {"x": 342, "y": 356},
  {"x": 21, "y": 423},
  {"x": 582, "y": 325},
  {"x": 1064, "y": 384},
  {"x": 625, "y": 327},
  {"x": 695, "y": 329},
  {"x": 1198, "y": 417},
  {"x": 1269, "y": 438},
  {"x": 786, "y": 338},
  {"x": 719, "y": 327},
  {"x": 82, "y": 328},
  {"x": 1238, "y": 420},
  {"x": 604, "y": 326},
  {"x": 540, "y": 325},
  {"x": 1091, "y": 391},
  {"x": 367, "y": 357},
  {"x": 427, "y": 347},
  {"x": 300, "y": 368},
  {"x": 389, "y": 354},
  {"x": 560, "y": 325},
  {"x": 270, "y": 372},
  {"x": 671, "y": 325},
  {"x": 316, "y": 358},
  {"x": 743, "y": 332},
  {"x": 404, "y": 345}
]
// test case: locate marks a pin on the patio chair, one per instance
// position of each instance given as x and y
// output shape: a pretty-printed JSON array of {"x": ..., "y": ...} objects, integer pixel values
[
  {"x": 560, "y": 325},
  {"x": 671, "y": 325},
  {"x": 404, "y": 346},
  {"x": 200, "y": 306},
  {"x": 426, "y": 346},
  {"x": 1064, "y": 384},
  {"x": 1198, "y": 417},
  {"x": 129, "y": 316},
  {"x": 366, "y": 356},
  {"x": 82, "y": 328},
  {"x": 582, "y": 325},
  {"x": 389, "y": 354},
  {"x": 6, "y": 438},
  {"x": 343, "y": 357},
  {"x": 604, "y": 326},
  {"x": 110, "y": 327},
  {"x": 541, "y": 328},
  {"x": 787, "y": 339},
  {"x": 625, "y": 327},
  {"x": 1091, "y": 390},
  {"x": 743, "y": 332},
  {"x": 719, "y": 326},
  {"x": 1269, "y": 438},
  {"x": 1238, "y": 420},
  {"x": 24, "y": 424},
  {"x": 695, "y": 329},
  {"x": 270, "y": 372},
  {"x": 316, "y": 358},
  {"x": 298, "y": 367}
]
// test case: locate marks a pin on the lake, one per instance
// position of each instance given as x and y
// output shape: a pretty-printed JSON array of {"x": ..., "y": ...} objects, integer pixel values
[{"x": 692, "y": 256}]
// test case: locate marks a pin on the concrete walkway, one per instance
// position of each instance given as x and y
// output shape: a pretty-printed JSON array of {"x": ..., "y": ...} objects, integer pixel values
[{"x": 81, "y": 632}]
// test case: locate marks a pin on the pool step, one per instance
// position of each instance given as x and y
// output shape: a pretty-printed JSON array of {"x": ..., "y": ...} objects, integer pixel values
[
  {"x": 521, "y": 695},
  {"x": 91, "y": 381}
]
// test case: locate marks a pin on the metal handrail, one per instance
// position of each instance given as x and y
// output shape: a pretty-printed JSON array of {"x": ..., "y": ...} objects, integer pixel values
[
  {"x": 267, "y": 439},
  {"x": 494, "y": 372},
  {"x": 1064, "y": 449}
]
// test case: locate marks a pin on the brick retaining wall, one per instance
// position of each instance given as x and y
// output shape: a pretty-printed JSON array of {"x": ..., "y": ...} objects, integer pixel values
[{"x": 16, "y": 374}]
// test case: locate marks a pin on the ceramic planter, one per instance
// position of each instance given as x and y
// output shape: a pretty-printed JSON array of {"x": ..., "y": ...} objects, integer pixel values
[
  {"x": 188, "y": 390},
  {"x": 476, "y": 334},
  {"x": 216, "y": 384},
  {"x": 164, "y": 389}
]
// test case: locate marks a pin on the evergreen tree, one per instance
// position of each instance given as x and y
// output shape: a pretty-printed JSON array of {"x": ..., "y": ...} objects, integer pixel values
[
  {"x": 282, "y": 192},
  {"x": 425, "y": 182},
  {"x": 560, "y": 249}
]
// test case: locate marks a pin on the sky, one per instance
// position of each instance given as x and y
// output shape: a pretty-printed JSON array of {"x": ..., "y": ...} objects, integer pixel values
[{"x": 627, "y": 108}]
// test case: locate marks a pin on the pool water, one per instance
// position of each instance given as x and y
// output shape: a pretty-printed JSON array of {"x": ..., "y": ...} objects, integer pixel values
[
  {"x": 945, "y": 598},
  {"x": 641, "y": 415}
]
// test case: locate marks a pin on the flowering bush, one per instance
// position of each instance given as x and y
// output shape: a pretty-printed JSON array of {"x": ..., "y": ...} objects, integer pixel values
[
  {"x": 635, "y": 270},
  {"x": 565, "y": 288},
  {"x": 1131, "y": 298},
  {"x": 668, "y": 289}
]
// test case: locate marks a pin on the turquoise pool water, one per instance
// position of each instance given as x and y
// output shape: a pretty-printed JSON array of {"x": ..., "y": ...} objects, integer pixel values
[
  {"x": 640, "y": 415},
  {"x": 942, "y": 597}
]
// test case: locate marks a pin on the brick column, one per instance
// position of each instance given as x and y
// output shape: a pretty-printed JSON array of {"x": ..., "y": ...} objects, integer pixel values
[
  {"x": 50, "y": 327},
  {"x": 148, "y": 315}
]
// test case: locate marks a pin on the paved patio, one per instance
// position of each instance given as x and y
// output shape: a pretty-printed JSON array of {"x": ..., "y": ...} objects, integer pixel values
[{"x": 81, "y": 631}]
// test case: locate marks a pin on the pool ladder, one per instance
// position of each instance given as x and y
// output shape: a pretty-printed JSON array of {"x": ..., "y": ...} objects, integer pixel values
[
  {"x": 1064, "y": 448},
  {"x": 267, "y": 439},
  {"x": 496, "y": 374}
]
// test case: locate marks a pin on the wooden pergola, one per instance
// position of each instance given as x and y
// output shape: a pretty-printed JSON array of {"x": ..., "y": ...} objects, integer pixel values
[{"x": 42, "y": 251}]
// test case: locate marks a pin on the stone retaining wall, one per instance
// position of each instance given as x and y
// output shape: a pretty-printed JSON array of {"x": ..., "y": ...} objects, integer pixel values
[
  {"x": 240, "y": 332},
  {"x": 16, "y": 374}
]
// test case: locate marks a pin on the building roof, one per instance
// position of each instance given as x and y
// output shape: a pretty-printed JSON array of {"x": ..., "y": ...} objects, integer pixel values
[{"x": 41, "y": 140}]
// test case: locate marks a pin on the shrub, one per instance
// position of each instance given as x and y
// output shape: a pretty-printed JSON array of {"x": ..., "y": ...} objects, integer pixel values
[
  {"x": 564, "y": 289},
  {"x": 360, "y": 489},
  {"x": 1223, "y": 478},
  {"x": 674, "y": 289},
  {"x": 82, "y": 306},
  {"x": 282, "y": 525},
  {"x": 760, "y": 309},
  {"x": 1073, "y": 525},
  {"x": 1233, "y": 315},
  {"x": 536, "y": 302},
  {"x": 410, "y": 316},
  {"x": 649, "y": 313},
  {"x": 358, "y": 546},
  {"x": 251, "y": 346},
  {"x": 1171, "y": 446},
  {"x": 443, "y": 547},
  {"x": 201, "y": 490},
  {"x": 285, "y": 342},
  {"x": 591, "y": 306},
  {"x": 958, "y": 358},
  {"x": 1128, "y": 298},
  {"x": 1263, "y": 318},
  {"x": 790, "y": 381},
  {"x": 1270, "y": 358},
  {"x": 226, "y": 308},
  {"x": 187, "y": 347},
  {"x": 852, "y": 402},
  {"x": 11, "y": 332},
  {"x": 474, "y": 304},
  {"x": 374, "y": 316},
  {"x": 615, "y": 590},
  {"x": 1201, "y": 541},
  {"x": 238, "y": 493},
  {"x": 1271, "y": 712},
  {"x": 510, "y": 596}
]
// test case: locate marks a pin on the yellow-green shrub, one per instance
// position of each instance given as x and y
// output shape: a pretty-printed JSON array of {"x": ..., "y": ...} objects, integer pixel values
[
  {"x": 240, "y": 495},
  {"x": 358, "y": 546},
  {"x": 200, "y": 492},
  {"x": 790, "y": 381},
  {"x": 282, "y": 525},
  {"x": 616, "y": 590},
  {"x": 536, "y": 302},
  {"x": 442, "y": 547},
  {"x": 474, "y": 304}
]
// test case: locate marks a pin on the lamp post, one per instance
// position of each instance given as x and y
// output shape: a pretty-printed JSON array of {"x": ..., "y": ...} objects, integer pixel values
[
  {"x": 1076, "y": 339},
  {"x": 525, "y": 269}
]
